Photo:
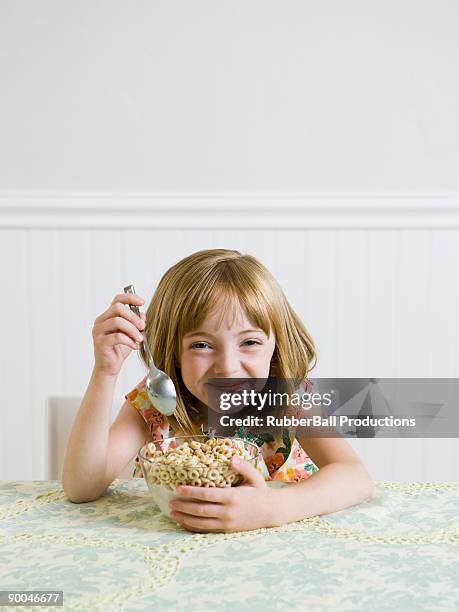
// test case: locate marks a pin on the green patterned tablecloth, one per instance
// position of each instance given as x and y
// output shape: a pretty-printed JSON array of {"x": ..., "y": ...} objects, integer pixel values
[{"x": 399, "y": 551}]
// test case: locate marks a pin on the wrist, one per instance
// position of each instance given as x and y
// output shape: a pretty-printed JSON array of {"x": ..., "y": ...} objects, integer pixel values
[
  {"x": 276, "y": 505},
  {"x": 104, "y": 378}
]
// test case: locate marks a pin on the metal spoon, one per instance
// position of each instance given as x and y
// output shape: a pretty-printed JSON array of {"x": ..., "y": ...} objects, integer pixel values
[{"x": 160, "y": 388}]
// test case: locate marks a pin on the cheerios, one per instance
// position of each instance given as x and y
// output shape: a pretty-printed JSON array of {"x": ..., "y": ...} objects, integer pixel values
[
  {"x": 165, "y": 476},
  {"x": 201, "y": 464}
]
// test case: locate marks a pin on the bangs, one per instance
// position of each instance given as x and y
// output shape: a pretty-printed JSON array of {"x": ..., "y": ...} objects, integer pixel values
[{"x": 226, "y": 290}]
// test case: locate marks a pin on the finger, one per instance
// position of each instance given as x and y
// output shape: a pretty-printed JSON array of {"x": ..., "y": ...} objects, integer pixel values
[
  {"x": 119, "y": 338},
  {"x": 251, "y": 475},
  {"x": 128, "y": 298},
  {"x": 120, "y": 310},
  {"x": 196, "y": 523},
  {"x": 207, "y": 510},
  {"x": 119, "y": 324},
  {"x": 210, "y": 494}
]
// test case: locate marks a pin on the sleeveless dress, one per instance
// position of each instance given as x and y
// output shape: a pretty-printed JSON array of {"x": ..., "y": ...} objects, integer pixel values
[{"x": 281, "y": 458}]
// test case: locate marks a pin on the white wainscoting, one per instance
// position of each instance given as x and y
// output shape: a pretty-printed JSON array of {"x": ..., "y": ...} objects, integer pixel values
[{"x": 374, "y": 278}]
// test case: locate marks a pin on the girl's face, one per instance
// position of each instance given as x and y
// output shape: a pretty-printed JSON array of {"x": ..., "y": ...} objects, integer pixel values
[{"x": 240, "y": 351}]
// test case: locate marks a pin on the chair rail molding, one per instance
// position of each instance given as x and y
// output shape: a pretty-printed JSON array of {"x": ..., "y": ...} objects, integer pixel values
[{"x": 228, "y": 210}]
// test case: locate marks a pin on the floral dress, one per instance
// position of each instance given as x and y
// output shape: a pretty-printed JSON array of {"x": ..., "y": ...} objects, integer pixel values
[{"x": 281, "y": 458}]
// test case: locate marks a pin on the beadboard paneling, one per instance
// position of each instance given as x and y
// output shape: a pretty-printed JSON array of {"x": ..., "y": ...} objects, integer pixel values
[{"x": 377, "y": 302}]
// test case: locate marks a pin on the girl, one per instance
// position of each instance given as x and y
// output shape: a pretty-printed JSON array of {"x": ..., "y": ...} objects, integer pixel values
[{"x": 215, "y": 314}]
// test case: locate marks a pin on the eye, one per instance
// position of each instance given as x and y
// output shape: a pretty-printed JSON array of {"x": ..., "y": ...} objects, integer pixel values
[
  {"x": 202, "y": 345},
  {"x": 254, "y": 342},
  {"x": 196, "y": 344}
]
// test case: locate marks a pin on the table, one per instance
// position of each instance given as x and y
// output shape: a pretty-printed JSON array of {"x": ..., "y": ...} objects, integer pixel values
[{"x": 398, "y": 551}]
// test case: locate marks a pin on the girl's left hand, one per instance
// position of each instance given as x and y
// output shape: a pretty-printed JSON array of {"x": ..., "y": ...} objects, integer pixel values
[{"x": 214, "y": 509}]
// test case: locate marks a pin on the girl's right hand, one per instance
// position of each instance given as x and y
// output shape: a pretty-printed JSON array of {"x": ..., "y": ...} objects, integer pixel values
[{"x": 116, "y": 332}]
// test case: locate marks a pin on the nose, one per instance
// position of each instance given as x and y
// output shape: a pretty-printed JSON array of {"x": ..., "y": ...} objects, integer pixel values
[{"x": 226, "y": 364}]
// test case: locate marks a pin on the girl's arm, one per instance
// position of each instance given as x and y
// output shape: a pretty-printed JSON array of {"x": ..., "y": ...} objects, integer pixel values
[
  {"x": 86, "y": 453},
  {"x": 342, "y": 481},
  {"x": 96, "y": 453}
]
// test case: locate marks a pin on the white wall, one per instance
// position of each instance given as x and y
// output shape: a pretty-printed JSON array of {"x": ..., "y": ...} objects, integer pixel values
[
  {"x": 216, "y": 97},
  {"x": 234, "y": 94},
  {"x": 379, "y": 303}
]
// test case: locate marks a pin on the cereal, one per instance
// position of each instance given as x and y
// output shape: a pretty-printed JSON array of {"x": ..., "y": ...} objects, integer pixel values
[
  {"x": 165, "y": 476},
  {"x": 199, "y": 464},
  {"x": 213, "y": 474}
]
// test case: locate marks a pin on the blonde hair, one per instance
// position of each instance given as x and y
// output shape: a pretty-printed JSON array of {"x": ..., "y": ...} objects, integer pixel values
[{"x": 194, "y": 288}]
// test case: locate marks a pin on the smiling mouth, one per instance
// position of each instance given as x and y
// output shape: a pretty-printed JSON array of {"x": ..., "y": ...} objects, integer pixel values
[{"x": 228, "y": 386}]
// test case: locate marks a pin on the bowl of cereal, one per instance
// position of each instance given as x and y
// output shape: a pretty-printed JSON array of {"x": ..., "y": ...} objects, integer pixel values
[{"x": 199, "y": 461}]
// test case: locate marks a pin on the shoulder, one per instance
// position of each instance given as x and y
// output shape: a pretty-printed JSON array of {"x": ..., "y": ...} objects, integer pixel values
[
  {"x": 138, "y": 398},
  {"x": 295, "y": 405},
  {"x": 306, "y": 385}
]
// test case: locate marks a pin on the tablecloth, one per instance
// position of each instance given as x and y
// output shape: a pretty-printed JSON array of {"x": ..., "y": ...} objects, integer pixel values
[{"x": 398, "y": 551}]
